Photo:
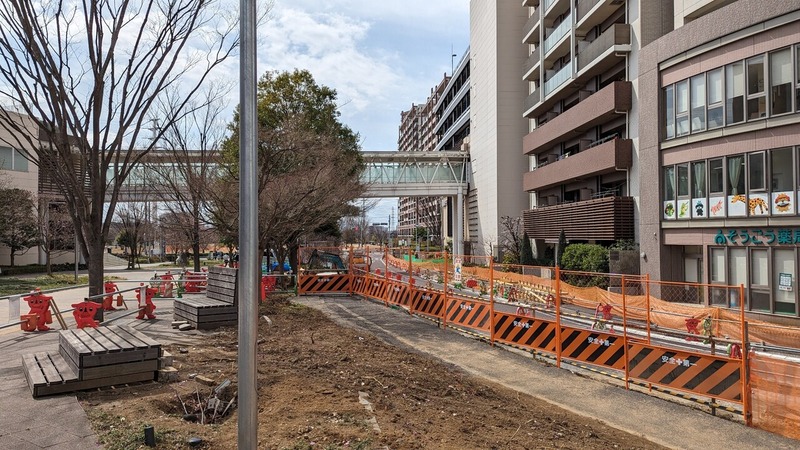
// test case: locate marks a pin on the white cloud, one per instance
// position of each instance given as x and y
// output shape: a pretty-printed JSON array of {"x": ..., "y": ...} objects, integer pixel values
[
  {"x": 431, "y": 14},
  {"x": 331, "y": 46}
]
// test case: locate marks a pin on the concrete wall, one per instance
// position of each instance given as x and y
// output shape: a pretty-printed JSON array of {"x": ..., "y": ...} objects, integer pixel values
[{"x": 497, "y": 126}]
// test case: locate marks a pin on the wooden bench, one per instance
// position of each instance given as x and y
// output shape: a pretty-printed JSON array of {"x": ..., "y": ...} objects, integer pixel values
[
  {"x": 217, "y": 308},
  {"x": 90, "y": 358}
]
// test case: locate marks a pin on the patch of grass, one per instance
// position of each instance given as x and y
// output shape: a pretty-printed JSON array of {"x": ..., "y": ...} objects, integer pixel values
[
  {"x": 14, "y": 286},
  {"x": 118, "y": 433},
  {"x": 354, "y": 445}
]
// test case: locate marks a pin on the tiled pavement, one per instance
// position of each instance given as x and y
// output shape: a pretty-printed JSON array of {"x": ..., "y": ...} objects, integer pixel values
[{"x": 59, "y": 422}]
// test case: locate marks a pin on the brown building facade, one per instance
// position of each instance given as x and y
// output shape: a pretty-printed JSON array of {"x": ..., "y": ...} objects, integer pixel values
[{"x": 720, "y": 131}]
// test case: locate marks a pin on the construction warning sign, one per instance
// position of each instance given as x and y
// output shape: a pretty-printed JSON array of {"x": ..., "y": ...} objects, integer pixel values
[{"x": 708, "y": 375}]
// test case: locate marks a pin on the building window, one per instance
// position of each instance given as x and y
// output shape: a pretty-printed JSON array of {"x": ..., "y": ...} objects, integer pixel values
[
  {"x": 784, "y": 278},
  {"x": 715, "y": 112},
  {"x": 669, "y": 101},
  {"x": 669, "y": 192},
  {"x": 699, "y": 205},
  {"x": 698, "y": 101},
  {"x": 759, "y": 279},
  {"x": 736, "y": 175},
  {"x": 734, "y": 93},
  {"x": 669, "y": 183},
  {"x": 781, "y": 169},
  {"x": 11, "y": 159},
  {"x": 682, "y": 108},
  {"x": 684, "y": 204},
  {"x": 756, "y": 173},
  {"x": 716, "y": 178},
  {"x": 756, "y": 98},
  {"x": 683, "y": 180},
  {"x": 797, "y": 78},
  {"x": 737, "y": 274},
  {"x": 782, "y": 181},
  {"x": 780, "y": 74}
]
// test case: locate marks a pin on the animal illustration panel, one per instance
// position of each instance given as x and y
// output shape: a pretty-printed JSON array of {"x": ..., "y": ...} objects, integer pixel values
[
  {"x": 783, "y": 203},
  {"x": 669, "y": 210},
  {"x": 716, "y": 207},
  {"x": 699, "y": 208}
]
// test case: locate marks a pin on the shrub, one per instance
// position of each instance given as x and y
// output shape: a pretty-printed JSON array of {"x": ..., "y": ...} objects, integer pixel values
[{"x": 586, "y": 258}]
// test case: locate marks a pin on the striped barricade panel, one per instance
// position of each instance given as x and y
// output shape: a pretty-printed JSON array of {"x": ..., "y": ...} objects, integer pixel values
[
  {"x": 360, "y": 285},
  {"x": 334, "y": 283},
  {"x": 375, "y": 288},
  {"x": 607, "y": 350},
  {"x": 397, "y": 293},
  {"x": 429, "y": 303},
  {"x": 706, "y": 375},
  {"x": 525, "y": 331},
  {"x": 468, "y": 313}
]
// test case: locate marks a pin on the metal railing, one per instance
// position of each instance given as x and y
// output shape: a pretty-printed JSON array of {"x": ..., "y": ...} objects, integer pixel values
[
  {"x": 558, "y": 32},
  {"x": 558, "y": 79}
]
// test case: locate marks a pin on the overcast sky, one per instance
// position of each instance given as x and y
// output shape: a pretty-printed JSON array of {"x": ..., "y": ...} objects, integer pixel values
[{"x": 379, "y": 56}]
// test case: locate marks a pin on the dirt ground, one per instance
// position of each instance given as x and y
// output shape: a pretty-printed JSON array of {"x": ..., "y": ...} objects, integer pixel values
[{"x": 322, "y": 386}]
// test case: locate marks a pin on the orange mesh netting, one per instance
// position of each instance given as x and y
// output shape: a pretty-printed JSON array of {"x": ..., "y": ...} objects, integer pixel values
[
  {"x": 665, "y": 314},
  {"x": 775, "y": 387}
]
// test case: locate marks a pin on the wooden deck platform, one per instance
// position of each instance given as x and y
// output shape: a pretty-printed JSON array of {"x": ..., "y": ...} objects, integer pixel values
[{"x": 91, "y": 358}]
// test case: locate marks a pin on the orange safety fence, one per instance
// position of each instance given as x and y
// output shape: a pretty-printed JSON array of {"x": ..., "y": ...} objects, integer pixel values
[
  {"x": 775, "y": 390},
  {"x": 670, "y": 303},
  {"x": 587, "y": 308}
]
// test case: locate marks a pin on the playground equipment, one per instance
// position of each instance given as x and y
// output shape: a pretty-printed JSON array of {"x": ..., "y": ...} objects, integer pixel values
[{"x": 39, "y": 315}]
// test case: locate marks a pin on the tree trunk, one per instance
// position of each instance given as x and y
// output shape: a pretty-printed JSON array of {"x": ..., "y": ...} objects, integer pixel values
[
  {"x": 196, "y": 250},
  {"x": 95, "y": 263},
  {"x": 49, "y": 263},
  {"x": 12, "y": 257},
  {"x": 293, "y": 262}
]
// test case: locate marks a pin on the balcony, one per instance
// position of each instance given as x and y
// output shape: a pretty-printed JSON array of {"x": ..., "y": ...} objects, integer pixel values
[
  {"x": 598, "y": 56},
  {"x": 600, "y": 219},
  {"x": 554, "y": 8},
  {"x": 531, "y": 29},
  {"x": 607, "y": 50},
  {"x": 532, "y": 3},
  {"x": 558, "y": 79},
  {"x": 532, "y": 100},
  {"x": 591, "y": 13},
  {"x": 557, "y": 34},
  {"x": 605, "y": 157},
  {"x": 532, "y": 65},
  {"x": 599, "y": 107}
]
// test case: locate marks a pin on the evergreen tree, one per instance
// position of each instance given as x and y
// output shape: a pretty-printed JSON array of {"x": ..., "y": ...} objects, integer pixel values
[
  {"x": 562, "y": 244},
  {"x": 526, "y": 255}
]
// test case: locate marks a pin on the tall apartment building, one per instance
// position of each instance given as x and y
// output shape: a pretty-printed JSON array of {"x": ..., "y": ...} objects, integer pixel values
[
  {"x": 452, "y": 133},
  {"x": 582, "y": 144},
  {"x": 417, "y": 133},
  {"x": 720, "y": 129},
  {"x": 496, "y": 94}
]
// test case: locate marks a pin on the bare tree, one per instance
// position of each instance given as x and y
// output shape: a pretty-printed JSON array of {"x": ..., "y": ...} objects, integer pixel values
[
  {"x": 296, "y": 202},
  {"x": 511, "y": 236},
  {"x": 135, "y": 224},
  {"x": 56, "y": 232},
  {"x": 187, "y": 172},
  {"x": 88, "y": 74}
]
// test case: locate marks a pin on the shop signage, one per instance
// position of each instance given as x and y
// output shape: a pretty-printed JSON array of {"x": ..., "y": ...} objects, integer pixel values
[
  {"x": 785, "y": 282},
  {"x": 783, "y": 236}
]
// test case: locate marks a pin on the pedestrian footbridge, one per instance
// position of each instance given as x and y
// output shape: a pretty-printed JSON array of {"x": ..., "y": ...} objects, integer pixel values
[{"x": 415, "y": 174}]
